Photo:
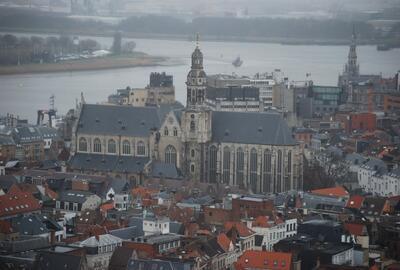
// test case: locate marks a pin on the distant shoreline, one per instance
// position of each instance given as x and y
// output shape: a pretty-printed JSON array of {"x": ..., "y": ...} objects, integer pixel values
[
  {"x": 101, "y": 63},
  {"x": 184, "y": 37}
]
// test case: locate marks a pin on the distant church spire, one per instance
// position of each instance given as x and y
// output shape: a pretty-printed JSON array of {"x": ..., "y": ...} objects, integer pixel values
[
  {"x": 352, "y": 68},
  {"x": 196, "y": 79}
]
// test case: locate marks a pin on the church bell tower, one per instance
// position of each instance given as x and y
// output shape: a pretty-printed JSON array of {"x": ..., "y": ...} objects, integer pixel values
[
  {"x": 196, "y": 79},
  {"x": 196, "y": 119}
]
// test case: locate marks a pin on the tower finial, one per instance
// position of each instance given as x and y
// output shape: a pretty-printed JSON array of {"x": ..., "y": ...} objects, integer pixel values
[{"x": 197, "y": 39}]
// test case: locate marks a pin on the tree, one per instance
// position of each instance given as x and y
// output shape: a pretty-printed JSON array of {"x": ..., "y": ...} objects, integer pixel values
[
  {"x": 129, "y": 47},
  {"x": 116, "y": 48},
  {"x": 88, "y": 45}
]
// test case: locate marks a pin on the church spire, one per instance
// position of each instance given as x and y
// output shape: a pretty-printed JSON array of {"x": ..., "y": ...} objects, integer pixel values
[
  {"x": 196, "y": 79},
  {"x": 352, "y": 68}
]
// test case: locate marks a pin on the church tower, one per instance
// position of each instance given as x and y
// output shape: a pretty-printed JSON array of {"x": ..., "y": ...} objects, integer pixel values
[
  {"x": 352, "y": 68},
  {"x": 196, "y": 119},
  {"x": 196, "y": 79}
]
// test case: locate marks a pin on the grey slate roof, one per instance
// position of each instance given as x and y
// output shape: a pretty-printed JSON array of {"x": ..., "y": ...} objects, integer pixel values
[
  {"x": 77, "y": 196},
  {"x": 27, "y": 134},
  {"x": 251, "y": 128},
  {"x": 137, "y": 222},
  {"x": 6, "y": 181},
  {"x": 35, "y": 224},
  {"x": 52, "y": 260},
  {"x": 6, "y": 140},
  {"x": 127, "y": 233},
  {"x": 108, "y": 163},
  {"x": 122, "y": 120},
  {"x": 165, "y": 170},
  {"x": 376, "y": 165},
  {"x": 355, "y": 159}
]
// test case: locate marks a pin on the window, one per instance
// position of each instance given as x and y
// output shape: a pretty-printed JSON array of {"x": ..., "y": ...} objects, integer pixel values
[
  {"x": 82, "y": 144},
  {"x": 288, "y": 176},
  {"x": 175, "y": 132},
  {"x": 112, "y": 147},
  {"x": 253, "y": 169},
  {"x": 279, "y": 174},
  {"x": 97, "y": 145},
  {"x": 126, "y": 148},
  {"x": 192, "y": 126},
  {"x": 165, "y": 131},
  {"x": 192, "y": 153},
  {"x": 170, "y": 155},
  {"x": 141, "y": 148},
  {"x": 240, "y": 167},
  {"x": 226, "y": 165},
  {"x": 267, "y": 170},
  {"x": 213, "y": 164},
  {"x": 192, "y": 168}
]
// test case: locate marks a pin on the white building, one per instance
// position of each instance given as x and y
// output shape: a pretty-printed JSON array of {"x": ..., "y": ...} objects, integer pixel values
[
  {"x": 273, "y": 229},
  {"x": 99, "y": 250},
  {"x": 373, "y": 177},
  {"x": 154, "y": 225}
]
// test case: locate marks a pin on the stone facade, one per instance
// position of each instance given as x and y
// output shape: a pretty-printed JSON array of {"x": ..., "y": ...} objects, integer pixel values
[{"x": 250, "y": 150}]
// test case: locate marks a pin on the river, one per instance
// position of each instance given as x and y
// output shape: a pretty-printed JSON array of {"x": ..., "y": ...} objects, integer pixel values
[{"x": 24, "y": 94}]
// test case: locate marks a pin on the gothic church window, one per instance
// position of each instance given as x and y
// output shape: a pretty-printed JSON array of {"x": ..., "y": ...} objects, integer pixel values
[
  {"x": 82, "y": 144},
  {"x": 141, "y": 148},
  {"x": 267, "y": 169},
  {"x": 170, "y": 155},
  {"x": 192, "y": 126},
  {"x": 165, "y": 131},
  {"x": 112, "y": 148},
  {"x": 213, "y": 164},
  {"x": 226, "y": 165},
  {"x": 253, "y": 169},
  {"x": 175, "y": 132},
  {"x": 126, "y": 148},
  {"x": 97, "y": 145},
  {"x": 240, "y": 167}
]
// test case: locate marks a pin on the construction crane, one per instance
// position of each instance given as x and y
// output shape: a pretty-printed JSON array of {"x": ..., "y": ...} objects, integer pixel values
[{"x": 51, "y": 113}]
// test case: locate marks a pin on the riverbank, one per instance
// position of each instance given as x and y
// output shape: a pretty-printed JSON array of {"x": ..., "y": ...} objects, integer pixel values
[
  {"x": 100, "y": 63},
  {"x": 184, "y": 37}
]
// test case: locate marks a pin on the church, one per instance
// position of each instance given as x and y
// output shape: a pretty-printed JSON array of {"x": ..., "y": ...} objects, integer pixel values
[{"x": 254, "y": 151}]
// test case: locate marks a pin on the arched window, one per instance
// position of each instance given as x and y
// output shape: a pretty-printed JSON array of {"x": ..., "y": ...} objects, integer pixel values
[
  {"x": 126, "y": 147},
  {"x": 165, "y": 131},
  {"x": 267, "y": 170},
  {"x": 240, "y": 167},
  {"x": 175, "y": 132},
  {"x": 97, "y": 145},
  {"x": 279, "y": 172},
  {"x": 141, "y": 149},
  {"x": 253, "y": 169},
  {"x": 192, "y": 153},
  {"x": 288, "y": 177},
  {"x": 192, "y": 126},
  {"x": 213, "y": 164},
  {"x": 112, "y": 147},
  {"x": 226, "y": 165},
  {"x": 83, "y": 145},
  {"x": 170, "y": 155}
]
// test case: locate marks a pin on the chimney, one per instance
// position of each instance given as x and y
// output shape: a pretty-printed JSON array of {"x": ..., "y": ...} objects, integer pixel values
[{"x": 52, "y": 237}]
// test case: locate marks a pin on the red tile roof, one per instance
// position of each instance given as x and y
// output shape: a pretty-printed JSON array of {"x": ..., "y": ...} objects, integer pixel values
[
  {"x": 240, "y": 227},
  {"x": 253, "y": 259},
  {"x": 17, "y": 202},
  {"x": 338, "y": 191},
  {"x": 5, "y": 227},
  {"x": 356, "y": 229},
  {"x": 224, "y": 241},
  {"x": 355, "y": 201},
  {"x": 106, "y": 206}
]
